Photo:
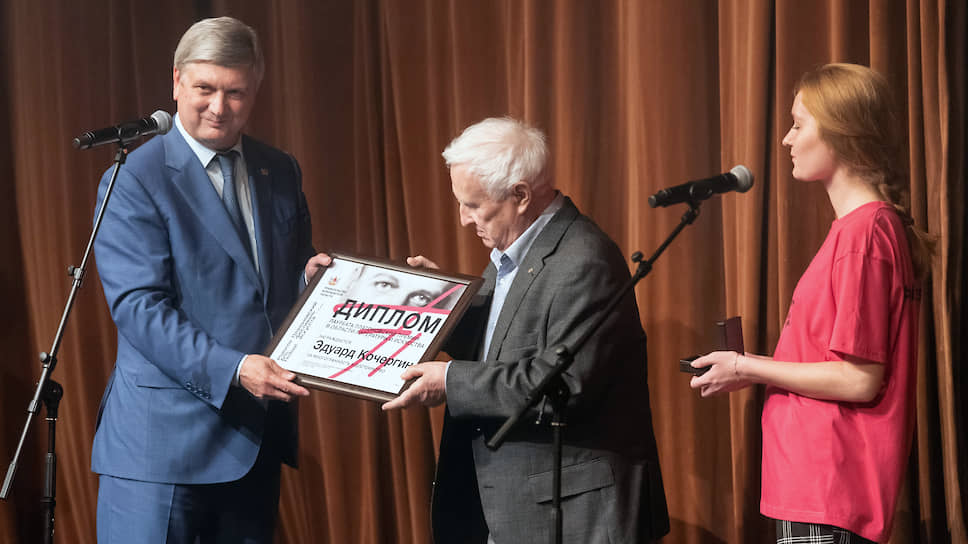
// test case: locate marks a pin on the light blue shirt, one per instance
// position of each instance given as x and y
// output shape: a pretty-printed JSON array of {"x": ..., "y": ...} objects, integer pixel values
[
  {"x": 507, "y": 267},
  {"x": 507, "y": 263},
  {"x": 205, "y": 156},
  {"x": 242, "y": 189}
]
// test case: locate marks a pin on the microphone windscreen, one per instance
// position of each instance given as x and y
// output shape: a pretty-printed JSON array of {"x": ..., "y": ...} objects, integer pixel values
[
  {"x": 164, "y": 121},
  {"x": 744, "y": 178}
]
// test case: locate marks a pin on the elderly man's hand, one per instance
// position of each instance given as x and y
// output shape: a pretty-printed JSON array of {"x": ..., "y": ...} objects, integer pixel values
[
  {"x": 421, "y": 261},
  {"x": 428, "y": 390}
]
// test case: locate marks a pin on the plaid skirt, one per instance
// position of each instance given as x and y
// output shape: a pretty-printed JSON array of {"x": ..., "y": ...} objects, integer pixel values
[{"x": 795, "y": 532}]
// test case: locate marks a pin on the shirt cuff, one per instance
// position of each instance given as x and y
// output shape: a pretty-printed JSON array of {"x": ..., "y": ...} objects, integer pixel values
[
  {"x": 237, "y": 380},
  {"x": 446, "y": 369}
]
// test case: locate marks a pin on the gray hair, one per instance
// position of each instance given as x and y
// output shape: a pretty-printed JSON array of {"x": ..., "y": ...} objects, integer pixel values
[
  {"x": 223, "y": 41},
  {"x": 501, "y": 152}
]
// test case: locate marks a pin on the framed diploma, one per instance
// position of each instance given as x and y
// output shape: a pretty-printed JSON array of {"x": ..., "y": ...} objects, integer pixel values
[{"x": 361, "y": 322}]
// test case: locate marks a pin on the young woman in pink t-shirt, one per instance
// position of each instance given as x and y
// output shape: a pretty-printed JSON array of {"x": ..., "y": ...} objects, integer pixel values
[{"x": 840, "y": 388}]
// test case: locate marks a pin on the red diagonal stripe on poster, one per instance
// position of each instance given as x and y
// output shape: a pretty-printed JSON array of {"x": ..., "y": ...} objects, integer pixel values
[
  {"x": 429, "y": 308},
  {"x": 395, "y": 353},
  {"x": 390, "y": 335}
]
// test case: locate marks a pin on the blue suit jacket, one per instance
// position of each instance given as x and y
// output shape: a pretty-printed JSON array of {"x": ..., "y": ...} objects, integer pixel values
[{"x": 188, "y": 304}]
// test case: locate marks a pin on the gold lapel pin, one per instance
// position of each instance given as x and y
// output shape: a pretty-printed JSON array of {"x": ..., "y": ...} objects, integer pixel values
[{"x": 264, "y": 171}]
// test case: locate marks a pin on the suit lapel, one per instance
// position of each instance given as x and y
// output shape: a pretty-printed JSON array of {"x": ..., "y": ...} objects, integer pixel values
[
  {"x": 260, "y": 180},
  {"x": 530, "y": 267},
  {"x": 191, "y": 179}
]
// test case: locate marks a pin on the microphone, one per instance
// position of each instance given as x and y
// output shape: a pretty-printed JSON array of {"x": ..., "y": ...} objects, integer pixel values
[
  {"x": 738, "y": 179},
  {"x": 158, "y": 123}
]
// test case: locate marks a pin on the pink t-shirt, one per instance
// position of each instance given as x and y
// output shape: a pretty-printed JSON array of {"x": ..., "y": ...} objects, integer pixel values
[{"x": 841, "y": 463}]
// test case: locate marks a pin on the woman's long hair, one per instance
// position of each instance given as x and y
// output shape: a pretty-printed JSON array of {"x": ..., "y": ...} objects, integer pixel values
[{"x": 856, "y": 116}]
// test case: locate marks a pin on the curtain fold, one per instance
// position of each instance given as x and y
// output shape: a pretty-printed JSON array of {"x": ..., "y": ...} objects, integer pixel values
[{"x": 634, "y": 96}]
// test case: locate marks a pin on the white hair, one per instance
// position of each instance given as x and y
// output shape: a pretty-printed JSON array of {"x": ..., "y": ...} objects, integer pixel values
[
  {"x": 501, "y": 152},
  {"x": 222, "y": 41}
]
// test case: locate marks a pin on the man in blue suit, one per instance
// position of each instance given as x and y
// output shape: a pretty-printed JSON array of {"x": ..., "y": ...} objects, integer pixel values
[{"x": 202, "y": 252}]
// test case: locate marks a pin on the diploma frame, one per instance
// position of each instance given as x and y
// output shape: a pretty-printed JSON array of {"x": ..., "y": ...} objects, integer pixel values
[{"x": 311, "y": 322}]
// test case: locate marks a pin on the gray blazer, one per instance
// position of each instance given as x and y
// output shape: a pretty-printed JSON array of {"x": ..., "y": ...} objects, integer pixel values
[{"x": 611, "y": 483}]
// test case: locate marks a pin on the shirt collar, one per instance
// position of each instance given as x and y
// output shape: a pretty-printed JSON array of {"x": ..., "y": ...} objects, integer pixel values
[
  {"x": 204, "y": 154},
  {"x": 519, "y": 248}
]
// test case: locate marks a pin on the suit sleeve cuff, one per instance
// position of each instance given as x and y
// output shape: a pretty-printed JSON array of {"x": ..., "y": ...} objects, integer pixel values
[{"x": 237, "y": 379}]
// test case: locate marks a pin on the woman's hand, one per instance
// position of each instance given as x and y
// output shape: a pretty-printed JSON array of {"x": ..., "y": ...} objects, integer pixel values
[{"x": 723, "y": 376}]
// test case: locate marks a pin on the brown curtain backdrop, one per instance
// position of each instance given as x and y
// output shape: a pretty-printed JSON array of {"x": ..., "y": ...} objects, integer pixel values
[{"x": 634, "y": 95}]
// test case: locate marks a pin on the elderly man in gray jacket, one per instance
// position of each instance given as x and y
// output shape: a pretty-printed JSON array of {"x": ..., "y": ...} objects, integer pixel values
[{"x": 552, "y": 274}]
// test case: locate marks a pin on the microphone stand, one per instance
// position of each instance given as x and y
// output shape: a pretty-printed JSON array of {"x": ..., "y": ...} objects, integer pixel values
[
  {"x": 553, "y": 388},
  {"x": 48, "y": 390}
]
